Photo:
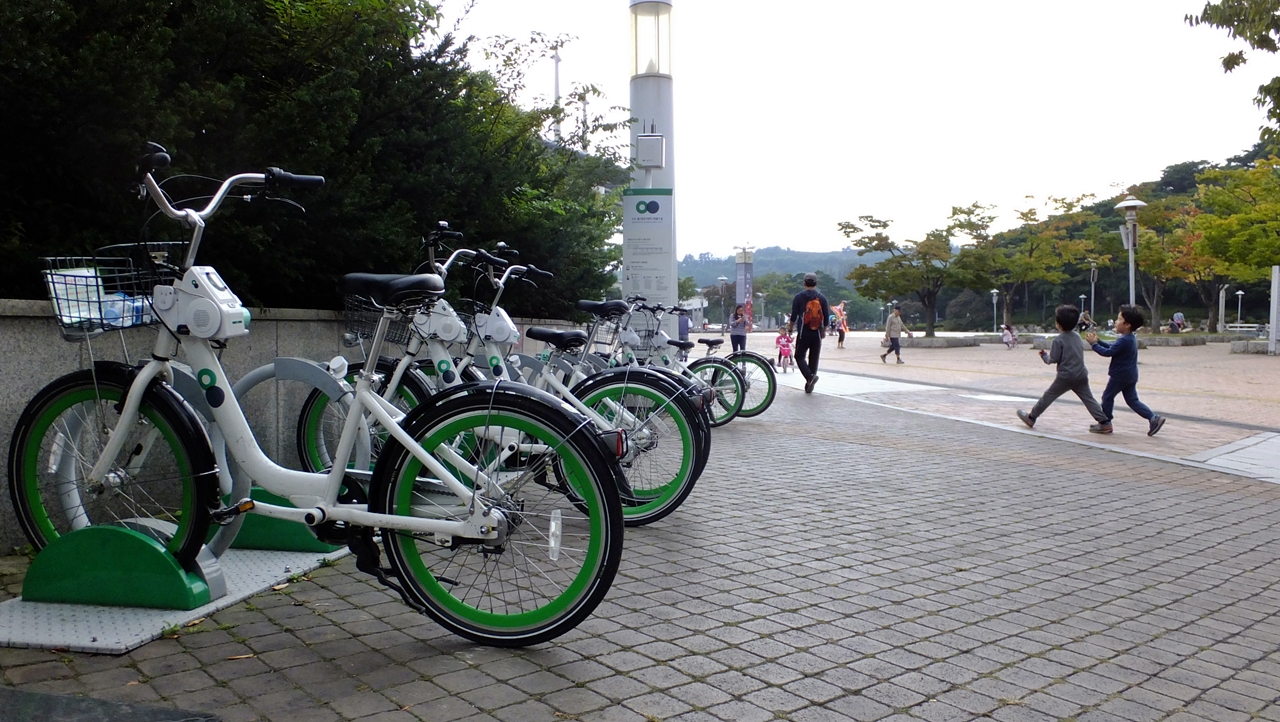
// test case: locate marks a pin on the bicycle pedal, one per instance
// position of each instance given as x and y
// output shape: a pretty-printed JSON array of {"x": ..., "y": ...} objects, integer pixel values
[{"x": 223, "y": 516}]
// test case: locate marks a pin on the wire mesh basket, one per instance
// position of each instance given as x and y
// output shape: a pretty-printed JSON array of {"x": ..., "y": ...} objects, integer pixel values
[
  {"x": 109, "y": 290},
  {"x": 360, "y": 316}
]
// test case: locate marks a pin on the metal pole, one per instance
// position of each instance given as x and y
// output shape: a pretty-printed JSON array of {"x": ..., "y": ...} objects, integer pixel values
[
  {"x": 1239, "y": 304},
  {"x": 1093, "y": 280},
  {"x": 1275, "y": 310},
  {"x": 1133, "y": 241},
  {"x": 995, "y": 320}
]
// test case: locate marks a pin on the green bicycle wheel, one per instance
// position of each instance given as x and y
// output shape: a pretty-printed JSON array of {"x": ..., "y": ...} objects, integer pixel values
[
  {"x": 761, "y": 382},
  {"x": 723, "y": 378}
]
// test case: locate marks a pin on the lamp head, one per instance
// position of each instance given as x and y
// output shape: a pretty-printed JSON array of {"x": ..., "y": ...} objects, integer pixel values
[
  {"x": 1239, "y": 293},
  {"x": 1130, "y": 206}
]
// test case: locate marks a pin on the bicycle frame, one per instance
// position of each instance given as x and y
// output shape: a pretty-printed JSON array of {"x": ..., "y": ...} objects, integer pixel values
[{"x": 313, "y": 495}]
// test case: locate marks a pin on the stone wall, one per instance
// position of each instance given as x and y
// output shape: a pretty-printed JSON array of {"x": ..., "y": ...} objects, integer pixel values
[{"x": 34, "y": 354}]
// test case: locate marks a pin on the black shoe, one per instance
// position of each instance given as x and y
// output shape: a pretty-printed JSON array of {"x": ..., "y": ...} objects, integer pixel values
[
  {"x": 808, "y": 384},
  {"x": 1026, "y": 419},
  {"x": 1157, "y": 423}
]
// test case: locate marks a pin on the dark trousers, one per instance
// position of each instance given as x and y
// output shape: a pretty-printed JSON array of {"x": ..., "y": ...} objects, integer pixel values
[
  {"x": 1129, "y": 389},
  {"x": 1061, "y": 386},
  {"x": 739, "y": 343},
  {"x": 808, "y": 346}
]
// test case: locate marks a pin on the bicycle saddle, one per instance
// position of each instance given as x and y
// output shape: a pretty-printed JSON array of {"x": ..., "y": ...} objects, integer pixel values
[
  {"x": 682, "y": 345},
  {"x": 603, "y": 308},
  {"x": 712, "y": 342},
  {"x": 562, "y": 340},
  {"x": 389, "y": 289}
]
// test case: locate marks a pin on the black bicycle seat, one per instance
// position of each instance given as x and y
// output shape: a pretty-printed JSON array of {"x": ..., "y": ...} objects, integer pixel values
[
  {"x": 562, "y": 340},
  {"x": 682, "y": 345},
  {"x": 390, "y": 289},
  {"x": 712, "y": 342}
]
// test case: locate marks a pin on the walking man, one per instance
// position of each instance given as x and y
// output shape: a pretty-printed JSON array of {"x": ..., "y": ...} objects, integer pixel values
[
  {"x": 893, "y": 329},
  {"x": 810, "y": 308}
]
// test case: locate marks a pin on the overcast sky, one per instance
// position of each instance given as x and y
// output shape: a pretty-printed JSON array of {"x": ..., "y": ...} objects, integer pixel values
[{"x": 791, "y": 117}]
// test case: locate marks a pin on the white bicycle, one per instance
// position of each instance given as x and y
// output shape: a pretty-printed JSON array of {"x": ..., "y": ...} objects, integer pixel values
[{"x": 497, "y": 506}]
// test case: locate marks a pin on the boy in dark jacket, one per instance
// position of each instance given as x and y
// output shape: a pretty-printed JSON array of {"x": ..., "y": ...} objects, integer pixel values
[
  {"x": 1068, "y": 353},
  {"x": 1124, "y": 371}
]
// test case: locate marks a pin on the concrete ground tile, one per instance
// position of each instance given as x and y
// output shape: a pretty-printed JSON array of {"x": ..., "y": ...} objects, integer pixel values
[
  {"x": 774, "y": 674},
  {"x": 213, "y": 698},
  {"x": 661, "y": 677},
  {"x": 1233, "y": 700},
  {"x": 699, "y": 695},
  {"x": 362, "y": 704},
  {"x": 776, "y": 700},
  {"x": 1217, "y": 713},
  {"x": 618, "y": 688},
  {"x": 228, "y": 670},
  {"x": 174, "y": 684},
  {"x": 658, "y": 705},
  {"x": 312, "y": 674},
  {"x": 857, "y": 707},
  {"x": 1129, "y": 710},
  {"x": 584, "y": 670},
  {"x": 263, "y": 684},
  {"x": 741, "y": 711},
  {"x": 814, "y": 690},
  {"x": 169, "y": 664},
  {"x": 969, "y": 701}
]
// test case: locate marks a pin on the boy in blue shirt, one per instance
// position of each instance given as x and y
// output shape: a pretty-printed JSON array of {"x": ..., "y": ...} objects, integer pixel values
[{"x": 1124, "y": 370}]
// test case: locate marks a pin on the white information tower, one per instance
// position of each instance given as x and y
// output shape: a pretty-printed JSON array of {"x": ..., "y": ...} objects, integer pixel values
[{"x": 648, "y": 223}]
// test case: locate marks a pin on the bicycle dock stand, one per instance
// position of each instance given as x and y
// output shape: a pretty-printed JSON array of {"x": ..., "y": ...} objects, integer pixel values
[{"x": 121, "y": 566}]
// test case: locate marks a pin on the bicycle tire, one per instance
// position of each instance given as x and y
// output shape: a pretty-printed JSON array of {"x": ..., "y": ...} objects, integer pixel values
[
  {"x": 702, "y": 415},
  {"x": 166, "y": 470},
  {"x": 659, "y": 483},
  {"x": 320, "y": 421},
  {"x": 723, "y": 377},
  {"x": 519, "y": 595},
  {"x": 761, "y": 382}
]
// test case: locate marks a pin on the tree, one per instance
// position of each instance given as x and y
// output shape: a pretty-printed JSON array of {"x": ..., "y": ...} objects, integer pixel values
[
  {"x": 688, "y": 289},
  {"x": 920, "y": 268},
  {"x": 365, "y": 92},
  {"x": 1257, "y": 22}
]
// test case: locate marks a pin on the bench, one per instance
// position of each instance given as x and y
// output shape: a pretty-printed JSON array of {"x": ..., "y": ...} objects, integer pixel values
[{"x": 1245, "y": 327}]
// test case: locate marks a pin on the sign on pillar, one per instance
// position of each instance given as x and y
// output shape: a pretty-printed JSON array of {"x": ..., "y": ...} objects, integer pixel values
[{"x": 648, "y": 250}]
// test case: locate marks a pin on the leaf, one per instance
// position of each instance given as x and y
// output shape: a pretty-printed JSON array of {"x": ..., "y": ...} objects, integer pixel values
[
  {"x": 278, "y": 587},
  {"x": 243, "y": 656},
  {"x": 194, "y": 622}
]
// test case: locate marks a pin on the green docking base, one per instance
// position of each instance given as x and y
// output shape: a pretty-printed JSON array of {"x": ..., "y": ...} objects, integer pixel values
[
  {"x": 115, "y": 567},
  {"x": 264, "y": 532}
]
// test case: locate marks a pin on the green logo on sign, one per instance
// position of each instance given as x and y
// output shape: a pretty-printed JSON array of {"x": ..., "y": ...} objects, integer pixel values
[
  {"x": 206, "y": 378},
  {"x": 442, "y": 365}
]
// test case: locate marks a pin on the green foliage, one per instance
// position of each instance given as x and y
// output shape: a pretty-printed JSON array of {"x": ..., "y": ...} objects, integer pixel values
[
  {"x": 687, "y": 289},
  {"x": 919, "y": 268},
  {"x": 364, "y": 92},
  {"x": 1257, "y": 22}
]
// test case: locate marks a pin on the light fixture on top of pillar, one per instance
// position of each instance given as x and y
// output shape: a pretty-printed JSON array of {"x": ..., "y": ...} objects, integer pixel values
[{"x": 1129, "y": 233}]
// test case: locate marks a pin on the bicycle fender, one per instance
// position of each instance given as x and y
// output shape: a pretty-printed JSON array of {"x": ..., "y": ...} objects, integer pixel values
[{"x": 493, "y": 387}]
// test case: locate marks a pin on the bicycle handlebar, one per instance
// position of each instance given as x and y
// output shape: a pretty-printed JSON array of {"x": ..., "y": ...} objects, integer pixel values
[
  {"x": 491, "y": 260},
  {"x": 278, "y": 177}
]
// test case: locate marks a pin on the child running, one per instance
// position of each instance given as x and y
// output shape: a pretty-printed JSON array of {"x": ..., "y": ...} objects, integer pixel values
[
  {"x": 1068, "y": 353},
  {"x": 783, "y": 342},
  {"x": 1124, "y": 371}
]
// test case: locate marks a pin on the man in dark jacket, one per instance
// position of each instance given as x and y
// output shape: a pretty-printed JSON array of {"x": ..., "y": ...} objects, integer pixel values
[{"x": 809, "y": 328}]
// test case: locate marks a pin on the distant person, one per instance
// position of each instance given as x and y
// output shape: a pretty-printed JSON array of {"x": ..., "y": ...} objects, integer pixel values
[
  {"x": 893, "y": 329},
  {"x": 683, "y": 329},
  {"x": 1180, "y": 321},
  {"x": 1009, "y": 336},
  {"x": 842, "y": 324},
  {"x": 783, "y": 342},
  {"x": 738, "y": 328},
  {"x": 1086, "y": 322},
  {"x": 1073, "y": 375},
  {"x": 1124, "y": 371},
  {"x": 811, "y": 309}
]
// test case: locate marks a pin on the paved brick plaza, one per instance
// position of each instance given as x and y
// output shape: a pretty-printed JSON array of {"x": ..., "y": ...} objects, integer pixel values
[{"x": 838, "y": 560}]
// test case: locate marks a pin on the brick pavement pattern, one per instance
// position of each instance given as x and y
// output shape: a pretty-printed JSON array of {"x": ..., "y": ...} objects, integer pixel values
[{"x": 837, "y": 561}]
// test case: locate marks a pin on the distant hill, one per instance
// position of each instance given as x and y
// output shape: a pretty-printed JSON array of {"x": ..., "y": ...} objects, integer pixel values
[{"x": 706, "y": 268}]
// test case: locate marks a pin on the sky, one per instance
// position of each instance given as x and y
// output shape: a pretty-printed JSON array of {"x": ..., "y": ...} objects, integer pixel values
[{"x": 790, "y": 118}]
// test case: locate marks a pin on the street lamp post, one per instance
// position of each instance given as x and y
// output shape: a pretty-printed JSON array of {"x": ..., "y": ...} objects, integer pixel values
[
  {"x": 1239, "y": 302},
  {"x": 764, "y": 321},
  {"x": 1130, "y": 206},
  {"x": 722, "y": 281},
  {"x": 995, "y": 320},
  {"x": 1093, "y": 280},
  {"x": 1082, "y": 302}
]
